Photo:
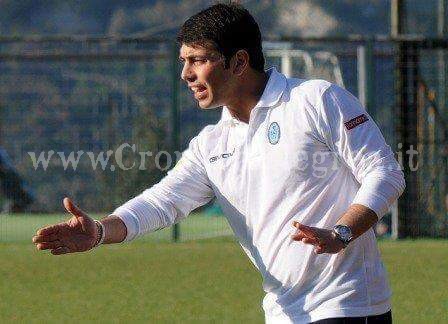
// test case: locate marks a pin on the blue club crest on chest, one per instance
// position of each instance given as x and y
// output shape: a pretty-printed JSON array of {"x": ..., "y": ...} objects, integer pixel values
[{"x": 274, "y": 133}]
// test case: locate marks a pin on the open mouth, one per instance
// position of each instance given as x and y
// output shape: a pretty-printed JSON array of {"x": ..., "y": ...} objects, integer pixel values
[{"x": 200, "y": 92}]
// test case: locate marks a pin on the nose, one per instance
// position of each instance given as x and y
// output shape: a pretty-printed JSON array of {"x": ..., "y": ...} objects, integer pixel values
[{"x": 187, "y": 73}]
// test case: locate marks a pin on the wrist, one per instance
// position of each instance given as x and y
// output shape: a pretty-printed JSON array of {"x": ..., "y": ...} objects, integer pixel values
[
  {"x": 101, "y": 234},
  {"x": 343, "y": 233}
]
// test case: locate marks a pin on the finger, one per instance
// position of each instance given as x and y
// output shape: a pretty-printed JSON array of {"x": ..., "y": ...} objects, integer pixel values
[
  {"x": 308, "y": 240},
  {"x": 45, "y": 238},
  {"x": 308, "y": 230},
  {"x": 298, "y": 236},
  {"x": 48, "y": 245},
  {"x": 301, "y": 236},
  {"x": 53, "y": 229},
  {"x": 72, "y": 208},
  {"x": 305, "y": 239},
  {"x": 321, "y": 248},
  {"x": 60, "y": 250},
  {"x": 296, "y": 224}
]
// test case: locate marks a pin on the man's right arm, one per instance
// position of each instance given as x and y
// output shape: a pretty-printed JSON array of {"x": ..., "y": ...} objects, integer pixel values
[
  {"x": 183, "y": 189},
  {"x": 114, "y": 229}
]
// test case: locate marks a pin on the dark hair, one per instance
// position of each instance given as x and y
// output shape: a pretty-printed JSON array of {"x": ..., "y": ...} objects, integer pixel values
[{"x": 229, "y": 28}]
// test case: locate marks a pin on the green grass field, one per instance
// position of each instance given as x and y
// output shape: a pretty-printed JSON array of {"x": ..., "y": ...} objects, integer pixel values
[{"x": 203, "y": 281}]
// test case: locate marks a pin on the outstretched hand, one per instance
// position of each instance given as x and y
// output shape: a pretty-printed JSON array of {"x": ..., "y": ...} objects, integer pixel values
[
  {"x": 324, "y": 240},
  {"x": 78, "y": 234}
]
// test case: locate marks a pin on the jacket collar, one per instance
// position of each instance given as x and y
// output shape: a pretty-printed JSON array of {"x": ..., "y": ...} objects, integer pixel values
[{"x": 271, "y": 95}]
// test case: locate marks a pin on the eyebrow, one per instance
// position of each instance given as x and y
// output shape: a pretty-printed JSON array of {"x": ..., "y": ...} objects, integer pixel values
[
  {"x": 192, "y": 56},
  {"x": 211, "y": 57}
]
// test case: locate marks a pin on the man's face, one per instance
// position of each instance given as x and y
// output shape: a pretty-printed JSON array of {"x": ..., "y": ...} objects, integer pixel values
[{"x": 205, "y": 74}]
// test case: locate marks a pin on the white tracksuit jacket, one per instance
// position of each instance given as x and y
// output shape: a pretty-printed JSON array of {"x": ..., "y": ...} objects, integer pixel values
[{"x": 309, "y": 151}]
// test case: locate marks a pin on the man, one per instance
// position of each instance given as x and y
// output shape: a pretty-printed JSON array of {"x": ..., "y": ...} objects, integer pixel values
[{"x": 286, "y": 152}]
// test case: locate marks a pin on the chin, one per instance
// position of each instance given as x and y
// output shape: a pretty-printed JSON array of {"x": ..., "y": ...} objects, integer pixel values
[{"x": 208, "y": 105}]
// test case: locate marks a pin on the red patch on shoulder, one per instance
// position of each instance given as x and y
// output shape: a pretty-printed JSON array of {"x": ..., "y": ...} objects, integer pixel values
[{"x": 352, "y": 123}]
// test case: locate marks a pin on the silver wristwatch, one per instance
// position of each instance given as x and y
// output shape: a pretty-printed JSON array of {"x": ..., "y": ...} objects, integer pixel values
[{"x": 343, "y": 233}]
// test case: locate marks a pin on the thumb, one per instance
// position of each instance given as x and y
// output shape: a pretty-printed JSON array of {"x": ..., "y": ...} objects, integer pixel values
[{"x": 72, "y": 208}]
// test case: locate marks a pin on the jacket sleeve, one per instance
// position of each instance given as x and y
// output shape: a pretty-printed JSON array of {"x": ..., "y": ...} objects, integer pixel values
[
  {"x": 183, "y": 189},
  {"x": 351, "y": 133}
]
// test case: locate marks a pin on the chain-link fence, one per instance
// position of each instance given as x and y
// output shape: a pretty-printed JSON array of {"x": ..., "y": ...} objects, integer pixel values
[
  {"x": 96, "y": 120},
  {"x": 422, "y": 126},
  {"x": 78, "y": 100},
  {"x": 113, "y": 112}
]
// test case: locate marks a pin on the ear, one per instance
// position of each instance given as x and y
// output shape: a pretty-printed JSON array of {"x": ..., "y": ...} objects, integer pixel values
[{"x": 240, "y": 62}]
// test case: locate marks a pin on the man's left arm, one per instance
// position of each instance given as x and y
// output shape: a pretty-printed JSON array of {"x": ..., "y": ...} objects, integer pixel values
[
  {"x": 352, "y": 134},
  {"x": 358, "y": 218}
]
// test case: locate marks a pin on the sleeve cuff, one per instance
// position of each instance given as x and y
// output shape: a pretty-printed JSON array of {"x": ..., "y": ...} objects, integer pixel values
[
  {"x": 376, "y": 203},
  {"x": 378, "y": 194},
  {"x": 130, "y": 221}
]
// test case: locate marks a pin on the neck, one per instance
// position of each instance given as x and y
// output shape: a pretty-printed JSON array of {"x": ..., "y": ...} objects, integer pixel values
[{"x": 247, "y": 94}]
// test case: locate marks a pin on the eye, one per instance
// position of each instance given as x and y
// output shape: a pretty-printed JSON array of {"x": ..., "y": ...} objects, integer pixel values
[{"x": 198, "y": 61}]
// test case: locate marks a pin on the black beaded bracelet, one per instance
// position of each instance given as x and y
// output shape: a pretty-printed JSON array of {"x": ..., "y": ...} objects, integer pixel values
[{"x": 100, "y": 236}]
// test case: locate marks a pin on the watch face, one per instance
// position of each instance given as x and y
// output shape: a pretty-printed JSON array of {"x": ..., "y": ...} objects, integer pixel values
[{"x": 344, "y": 232}]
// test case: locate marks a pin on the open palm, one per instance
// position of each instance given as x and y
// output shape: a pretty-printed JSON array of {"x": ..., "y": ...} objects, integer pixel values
[{"x": 78, "y": 234}]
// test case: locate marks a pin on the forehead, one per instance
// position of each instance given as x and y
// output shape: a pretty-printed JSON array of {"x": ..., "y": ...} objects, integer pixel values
[{"x": 196, "y": 50}]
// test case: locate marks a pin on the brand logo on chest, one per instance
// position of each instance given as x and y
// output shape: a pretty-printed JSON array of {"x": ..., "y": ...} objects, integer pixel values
[
  {"x": 221, "y": 156},
  {"x": 274, "y": 133}
]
